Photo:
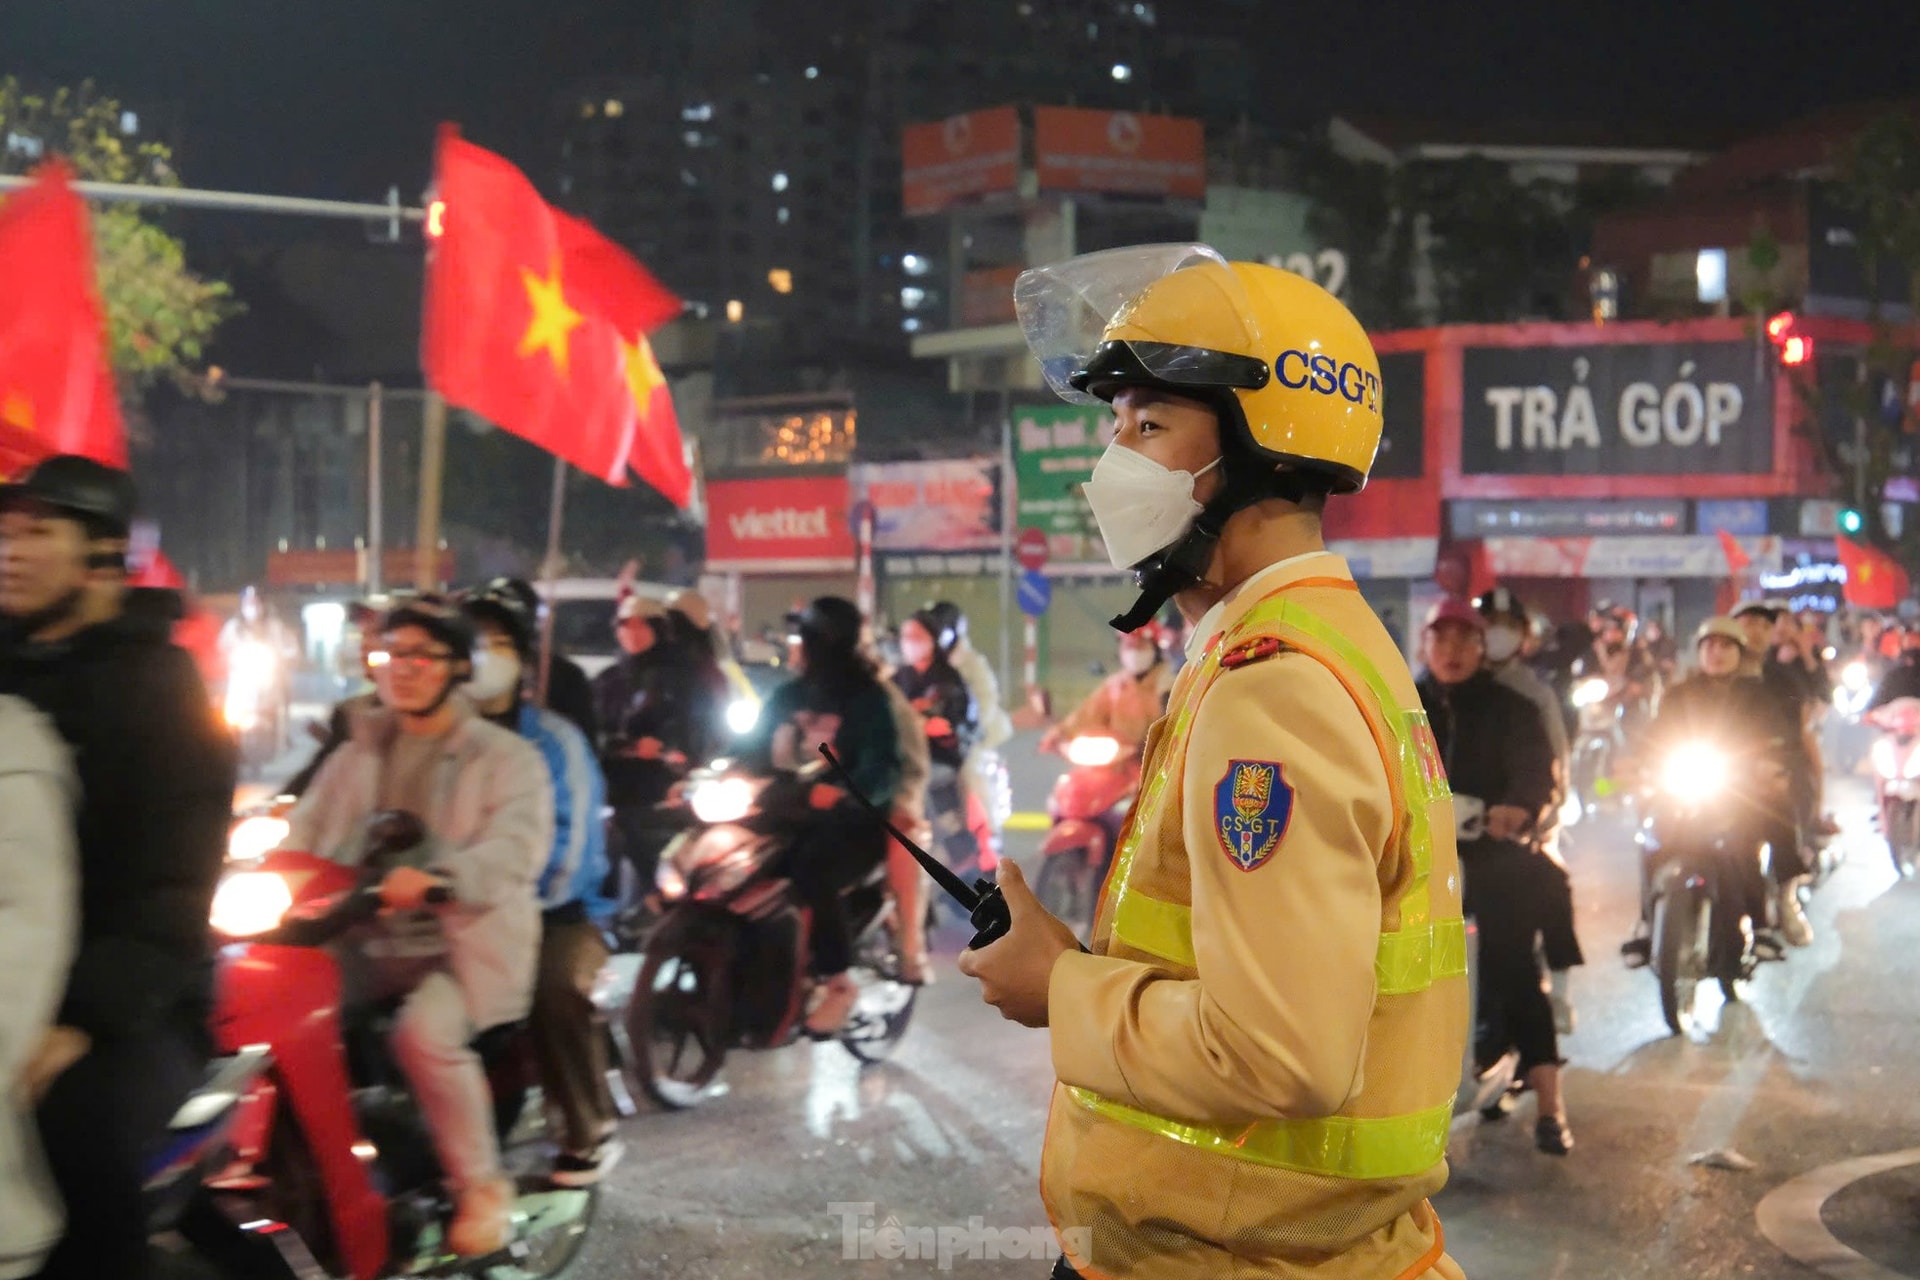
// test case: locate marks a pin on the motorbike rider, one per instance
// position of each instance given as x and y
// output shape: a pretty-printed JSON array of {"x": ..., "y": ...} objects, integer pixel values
[
  {"x": 1722, "y": 704},
  {"x": 989, "y": 791},
  {"x": 949, "y": 720},
  {"x": 39, "y": 894},
  {"x": 1508, "y": 627},
  {"x": 1493, "y": 741},
  {"x": 569, "y": 692},
  {"x": 1126, "y": 703},
  {"x": 485, "y": 799},
  {"x": 657, "y": 719},
  {"x": 1902, "y": 679},
  {"x": 567, "y": 1039},
  {"x": 1228, "y": 1031},
  {"x": 836, "y": 697},
  {"x": 1617, "y": 657},
  {"x": 156, "y": 774},
  {"x": 1773, "y": 655}
]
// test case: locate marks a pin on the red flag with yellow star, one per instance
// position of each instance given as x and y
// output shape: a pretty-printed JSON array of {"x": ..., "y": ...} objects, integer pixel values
[
  {"x": 1875, "y": 579},
  {"x": 56, "y": 393},
  {"x": 515, "y": 326}
]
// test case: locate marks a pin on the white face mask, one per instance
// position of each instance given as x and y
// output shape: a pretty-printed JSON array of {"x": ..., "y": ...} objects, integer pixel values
[
  {"x": 1141, "y": 506},
  {"x": 494, "y": 675},
  {"x": 1502, "y": 643},
  {"x": 1137, "y": 662}
]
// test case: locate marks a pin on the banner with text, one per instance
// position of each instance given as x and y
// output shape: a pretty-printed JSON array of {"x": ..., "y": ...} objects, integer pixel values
[
  {"x": 1120, "y": 152},
  {"x": 1626, "y": 409},
  {"x": 949, "y": 505},
  {"x": 959, "y": 158}
]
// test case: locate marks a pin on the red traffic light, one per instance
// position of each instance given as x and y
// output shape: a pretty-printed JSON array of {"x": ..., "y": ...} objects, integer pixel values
[
  {"x": 1780, "y": 326},
  {"x": 1796, "y": 350},
  {"x": 436, "y": 219}
]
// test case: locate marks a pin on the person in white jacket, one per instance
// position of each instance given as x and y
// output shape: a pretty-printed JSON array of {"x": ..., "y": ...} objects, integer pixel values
[
  {"x": 39, "y": 908},
  {"x": 985, "y": 773},
  {"x": 485, "y": 797}
]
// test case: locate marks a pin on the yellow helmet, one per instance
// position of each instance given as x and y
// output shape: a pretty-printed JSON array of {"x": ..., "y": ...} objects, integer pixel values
[{"x": 1290, "y": 368}]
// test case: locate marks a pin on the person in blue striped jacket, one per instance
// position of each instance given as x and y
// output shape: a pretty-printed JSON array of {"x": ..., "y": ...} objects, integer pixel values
[{"x": 573, "y": 949}]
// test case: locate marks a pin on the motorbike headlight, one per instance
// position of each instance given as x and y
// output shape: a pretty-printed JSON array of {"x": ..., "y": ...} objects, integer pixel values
[
  {"x": 250, "y": 903},
  {"x": 1694, "y": 771},
  {"x": 743, "y": 714},
  {"x": 1093, "y": 752},
  {"x": 1590, "y": 693},
  {"x": 255, "y": 837},
  {"x": 1854, "y": 676},
  {"x": 717, "y": 800},
  {"x": 1571, "y": 810}
]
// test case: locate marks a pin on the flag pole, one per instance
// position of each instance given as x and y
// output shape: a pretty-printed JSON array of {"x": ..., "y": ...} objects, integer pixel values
[
  {"x": 433, "y": 458},
  {"x": 549, "y": 572}
]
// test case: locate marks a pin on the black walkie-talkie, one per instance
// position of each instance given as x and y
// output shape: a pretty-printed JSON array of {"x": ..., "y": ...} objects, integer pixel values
[{"x": 986, "y": 906}]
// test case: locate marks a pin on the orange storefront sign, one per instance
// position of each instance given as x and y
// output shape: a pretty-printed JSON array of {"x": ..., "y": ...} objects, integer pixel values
[
  {"x": 986, "y": 297},
  {"x": 1120, "y": 153},
  {"x": 959, "y": 158},
  {"x": 346, "y": 567}
]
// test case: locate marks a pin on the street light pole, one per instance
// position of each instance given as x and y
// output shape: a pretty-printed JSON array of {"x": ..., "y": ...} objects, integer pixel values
[
  {"x": 229, "y": 201},
  {"x": 376, "y": 492}
]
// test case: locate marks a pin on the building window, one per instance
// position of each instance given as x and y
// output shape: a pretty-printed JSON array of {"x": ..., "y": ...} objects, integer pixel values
[
  {"x": 784, "y": 216},
  {"x": 129, "y": 123},
  {"x": 913, "y": 264},
  {"x": 615, "y": 108},
  {"x": 781, "y": 279},
  {"x": 912, "y": 297},
  {"x": 780, "y": 182},
  {"x": 588, "y": 111},
  {"x": 1710, "y": 275},
  {"x": 736, "y": 311},
  {"x": 699, "y": 112}
]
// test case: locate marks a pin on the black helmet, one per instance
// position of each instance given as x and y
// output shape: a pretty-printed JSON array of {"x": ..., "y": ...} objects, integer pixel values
[
  {"x": 448, "y": 626},
  {"x": 521, "y": 589},
  {"x": 99, "y": 496},
  {"x": 498, "y": 602},
  {"x": 939, "y": 624},
  {"x": 832, "y": 621},
  {"x": 1501, "y": 605},
  {"x": 950, "y": 624}
]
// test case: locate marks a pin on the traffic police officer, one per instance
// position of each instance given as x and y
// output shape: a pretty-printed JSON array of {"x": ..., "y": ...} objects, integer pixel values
[{"x": 1258, "y": 1059}]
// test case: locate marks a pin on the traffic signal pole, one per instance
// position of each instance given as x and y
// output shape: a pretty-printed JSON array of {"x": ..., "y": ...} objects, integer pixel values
[{"x": 434, "y": 426}]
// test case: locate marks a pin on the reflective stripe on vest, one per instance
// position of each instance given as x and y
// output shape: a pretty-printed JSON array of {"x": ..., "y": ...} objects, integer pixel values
[{"x": 1409, "y": 959}]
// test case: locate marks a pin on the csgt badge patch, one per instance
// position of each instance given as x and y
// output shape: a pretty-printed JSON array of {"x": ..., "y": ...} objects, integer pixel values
[{"x": 1252, "y": 805}]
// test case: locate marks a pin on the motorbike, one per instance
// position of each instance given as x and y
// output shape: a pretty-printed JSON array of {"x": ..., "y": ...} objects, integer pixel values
[
  {"x": 331, "y": 1169},
  {"x": 1691, "y": 851},
  {"x": 1597, "y": 744},
  {"x": 1087, "y": 805},
  {"x": 726, "y": 966},
  {"x": 1896, "y": 781},
  {"x": 255, "y": 702}
]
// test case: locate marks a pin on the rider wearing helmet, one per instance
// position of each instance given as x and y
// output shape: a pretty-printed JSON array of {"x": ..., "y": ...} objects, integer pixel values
[
  {"x": 1229, "y": 1032},
  {"x": 569, "y": 692},
  {"x": 1722, "y": 706},
  {"x": 156, "y": 790},
  {"x": 566, "y": 1039},
  {"x": 1508, "y": 627},
  {"x": 836, "y": 697},
  {"x": 484, "y": 797},
  {"x": 990, "y": 793}
]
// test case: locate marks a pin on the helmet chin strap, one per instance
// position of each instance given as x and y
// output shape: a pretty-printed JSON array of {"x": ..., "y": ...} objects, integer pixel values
[{"x": 1184, "y": 564}]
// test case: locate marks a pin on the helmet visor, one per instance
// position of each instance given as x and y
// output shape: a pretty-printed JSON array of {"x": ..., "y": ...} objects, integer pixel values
[{"x": 1190, "y": 334}]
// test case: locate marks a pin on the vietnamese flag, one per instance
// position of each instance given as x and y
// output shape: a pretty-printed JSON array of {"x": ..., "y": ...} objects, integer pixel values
[
  {"x": 516, "y": 323},
  {"x": 1875, "y": 579},
  {"x": 56, "y": 391},
  {"x": 1738, "y": 561}
]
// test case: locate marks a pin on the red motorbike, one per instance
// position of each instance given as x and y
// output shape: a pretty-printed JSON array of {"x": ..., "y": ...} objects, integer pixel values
[
  {"x": 332, "y": 1170},
  {"x": 1087, "y": 805}
]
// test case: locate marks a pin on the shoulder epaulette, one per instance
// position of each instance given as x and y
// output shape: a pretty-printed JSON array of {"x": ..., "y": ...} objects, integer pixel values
[{"x": 1249, "y": 651}]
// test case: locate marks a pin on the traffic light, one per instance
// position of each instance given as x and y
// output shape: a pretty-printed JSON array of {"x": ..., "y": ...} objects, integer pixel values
[
  {"x": 1851, "y": 521},
  {"x": 1795, "y": 349}
]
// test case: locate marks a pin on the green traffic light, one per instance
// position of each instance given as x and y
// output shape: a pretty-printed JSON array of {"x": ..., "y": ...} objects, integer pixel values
[{"x": 1851, "y": 520}]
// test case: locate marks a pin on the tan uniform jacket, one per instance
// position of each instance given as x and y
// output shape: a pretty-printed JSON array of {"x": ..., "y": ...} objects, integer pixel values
[{"x": 1275, "y": 1019}]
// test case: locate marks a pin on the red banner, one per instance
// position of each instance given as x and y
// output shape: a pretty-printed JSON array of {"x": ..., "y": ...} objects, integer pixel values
[
  {"x": 780, "y": 524},
  {"x": 1120, "y": 152},
  {"x": 959, "y": 158}
]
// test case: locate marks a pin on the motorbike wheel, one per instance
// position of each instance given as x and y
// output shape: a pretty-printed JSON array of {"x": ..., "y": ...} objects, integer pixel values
[
  {"x": 296, "y": 1193},
  {"x": 885, "y": 1006},
  {"x": 1680, "y": 932},
  {"x": 549, "y": 1232},
  {"x": 677, "y": 1018}
]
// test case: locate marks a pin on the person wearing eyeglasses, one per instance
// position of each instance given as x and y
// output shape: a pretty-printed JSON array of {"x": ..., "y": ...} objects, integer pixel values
[{"x": 485, "y": 797}]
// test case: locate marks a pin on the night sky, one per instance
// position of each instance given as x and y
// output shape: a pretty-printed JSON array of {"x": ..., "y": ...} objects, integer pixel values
[{"x": 339, "y": 98}]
